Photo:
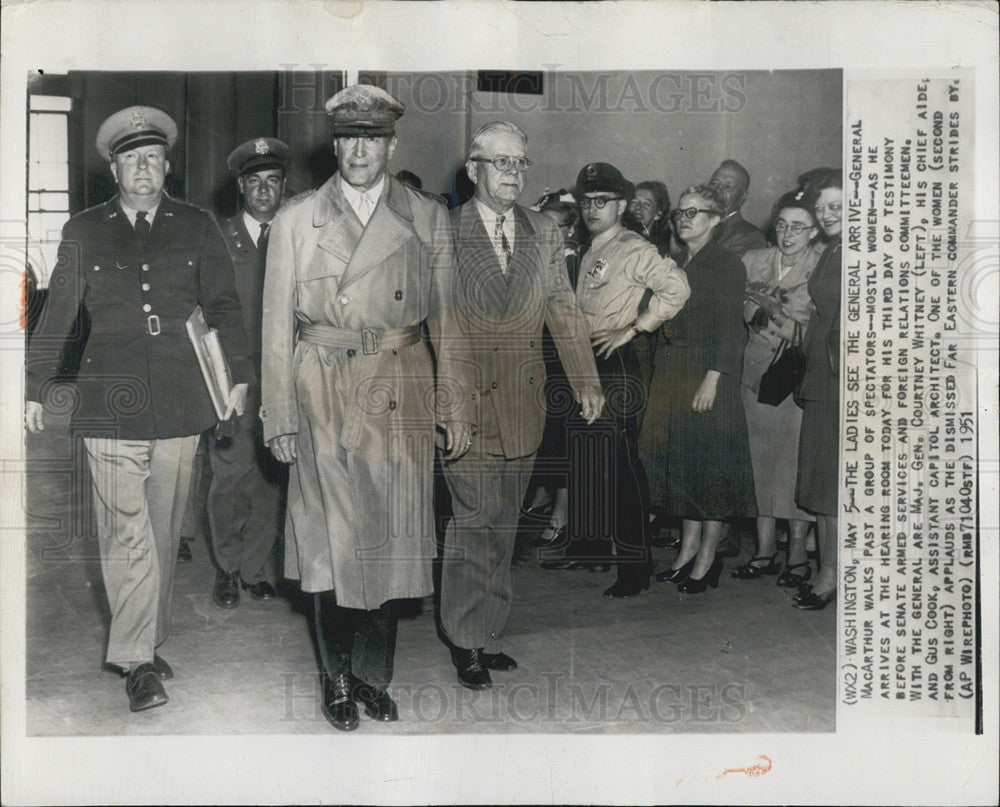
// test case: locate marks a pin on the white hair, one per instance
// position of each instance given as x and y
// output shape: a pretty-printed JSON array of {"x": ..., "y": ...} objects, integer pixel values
[{"x": 476, "y": 144}]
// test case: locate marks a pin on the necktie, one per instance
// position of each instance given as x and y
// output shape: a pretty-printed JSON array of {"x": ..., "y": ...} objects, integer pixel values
[
  {"x": 500, "y": 237},
  {"x": 142, "y": 227},
  {"x": 367, "y": 206},
  {"x": 262, "y": 238}
]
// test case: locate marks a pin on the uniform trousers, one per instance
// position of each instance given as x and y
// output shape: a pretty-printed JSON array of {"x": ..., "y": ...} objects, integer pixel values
[
  {"x": 245, "y": 498},
  {"x": 352, "y": 640},
  {"x": 476, "y": 587},
  {"x": 140, "y": 494}
]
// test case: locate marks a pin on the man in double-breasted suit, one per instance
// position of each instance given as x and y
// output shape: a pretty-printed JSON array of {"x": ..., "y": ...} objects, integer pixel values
[
  {"x": 247, "y": 483},
  {"x": 140, "y": 263},
  {"x": 511, "y": 279},
  {"x": 355, "y": 270}
]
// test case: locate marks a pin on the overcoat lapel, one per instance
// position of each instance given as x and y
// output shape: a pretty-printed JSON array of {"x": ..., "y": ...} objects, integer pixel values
[
  {"x": 341, "y": 229},
  {"x": 388, "y": 229}
]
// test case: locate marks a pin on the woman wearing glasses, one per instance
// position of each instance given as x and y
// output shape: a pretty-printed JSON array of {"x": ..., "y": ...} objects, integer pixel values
[
  {"x": 816, "y": 488},
  {"x": 777, "y": 308},
  {"x": 695, "y": 433}
]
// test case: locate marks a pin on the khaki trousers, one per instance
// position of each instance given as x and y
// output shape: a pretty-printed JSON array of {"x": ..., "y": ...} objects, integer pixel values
[{"x": 140, "y": 494}]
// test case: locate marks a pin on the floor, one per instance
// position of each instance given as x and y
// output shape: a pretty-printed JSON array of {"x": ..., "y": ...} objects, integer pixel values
[{"x": 735, "y": 659}]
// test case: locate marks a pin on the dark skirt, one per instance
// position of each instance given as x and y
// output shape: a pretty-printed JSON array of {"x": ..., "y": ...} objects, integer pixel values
[
  {"x": 698, "y": 465},
  {"x": 817, "y": 483}
]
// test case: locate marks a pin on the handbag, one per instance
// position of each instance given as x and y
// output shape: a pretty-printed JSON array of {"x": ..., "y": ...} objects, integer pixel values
[{"x": 786, "y": 371}]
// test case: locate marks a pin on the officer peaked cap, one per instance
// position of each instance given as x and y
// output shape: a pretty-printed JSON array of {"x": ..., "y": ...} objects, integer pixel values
[
  {"x": 363, "y": 110},
  {"x": 134, "y": 127}
]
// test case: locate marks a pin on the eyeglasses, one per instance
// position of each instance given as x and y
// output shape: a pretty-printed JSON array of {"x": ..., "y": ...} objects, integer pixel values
[
  {"x": 598, "y": 202},
  {"x": 690, "y": 212},
  {"x": 795, "y": 228},
  {"x": 504, "y": 163}
]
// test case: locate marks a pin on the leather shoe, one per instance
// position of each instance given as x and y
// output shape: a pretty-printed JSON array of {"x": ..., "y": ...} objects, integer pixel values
[
  {"x": 621, "y": 590},
  {"x": 162, "y": 668},
  {"x": 226, "y": 592},
  {"x": 339, "y": 707},
  {"x": 500, "y": 662},
  {"x": 261, "y": 590},
  {"x": 184, "y": 554},
  {"x": 471, "y": 672},
  {"x": 144, "y": 688},
  {"x": 378, "y": 705}
]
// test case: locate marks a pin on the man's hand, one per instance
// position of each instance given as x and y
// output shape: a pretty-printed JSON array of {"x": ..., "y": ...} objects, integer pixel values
[
  {"x": 591, "y": 400},
  {"x": 284, "y": 447},
  {"x": 34, "y": 417},
  {"x": 704, "y": 398},
  {"x": 458, "y": 438},
  {"x": 237, "y": 401},
  {"x": 607, "y": 342}
]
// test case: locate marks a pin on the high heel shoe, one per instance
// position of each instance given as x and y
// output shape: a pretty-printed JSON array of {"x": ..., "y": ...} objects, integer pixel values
[
  {"x": 537, "y": 511},
  {"x": 698, "y": 585},
  {"x": 815, "y": 602},
  {"x": 790, "y": 579},
  {"x": 675, "y": 575},
  {"x": 555, "y": 532},
  {"x": 750, "y": 572}
]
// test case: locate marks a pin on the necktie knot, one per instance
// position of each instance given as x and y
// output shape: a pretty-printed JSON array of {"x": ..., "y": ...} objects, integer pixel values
[
  {"x": 142, "y": 226},
  {"x": 262, "y": 238}
]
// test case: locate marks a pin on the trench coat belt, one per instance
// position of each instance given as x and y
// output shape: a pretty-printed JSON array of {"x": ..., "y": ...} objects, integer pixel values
[{"x": 368, "y": 340}]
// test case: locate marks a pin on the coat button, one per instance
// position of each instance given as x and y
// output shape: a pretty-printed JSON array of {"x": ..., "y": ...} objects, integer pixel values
[
  {"x": 145, "y": 287},
  {"x": 351, "y": 353},
  {"x": 494, "y": 385},
  {"x": 145, "y": 267},
  {"x": 531, "y": 343},
  {"x": 97, "y": 268},
  {"x": 147, "y": 307},
  {"x": 343, "y": 299},
  {"x": 399, "y": 294},
  {"x": 392, "y": 406},
  {"x": 190, "y": 263}
]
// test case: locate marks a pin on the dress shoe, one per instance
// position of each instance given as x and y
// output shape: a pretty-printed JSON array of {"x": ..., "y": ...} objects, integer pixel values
[
  {"x": 621, "y": 590},
  {"x": 500, "y": 662},
  {"x": 339, "y": 707},
  {"x": 471, "y": 672},
  {"x": 676, "y": 575},
  {"x": 697, "y": 585},
  {"x": 792, "y": 579},
  {"x": 378, "y": 705},
  {"x": 813, "y": 601},
  {"x": 537, "y": 511},
  {"x": 162, "y": 668},
  {"x": 184, "y": 551},
  {"x": 144, "y": 688},
  {"x": 226, "y": 592},
  {"x": 261, "y": 590},
  {"x": 750, "y": 571}
]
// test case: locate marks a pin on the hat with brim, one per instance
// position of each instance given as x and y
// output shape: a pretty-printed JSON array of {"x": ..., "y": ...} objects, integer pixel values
[
  {"x": 364, "y": 111},
  {"x": 133, "y": 127},
  {"x": 260, "y": 154},
  {"x": 603, "y": 178}
]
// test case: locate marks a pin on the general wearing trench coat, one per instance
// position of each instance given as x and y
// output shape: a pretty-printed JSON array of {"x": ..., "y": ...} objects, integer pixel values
[
  {"x": 139, "y": 377},
  {"x": 360, "y": 517}
]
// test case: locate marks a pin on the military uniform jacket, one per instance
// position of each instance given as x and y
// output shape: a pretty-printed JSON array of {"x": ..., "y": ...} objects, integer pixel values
[
  {"x": 139, "y": 377},
  {"x": 360, "y": 518},
  {"x": 503, "y": 317},
  {"x": 248, "y": 267}
]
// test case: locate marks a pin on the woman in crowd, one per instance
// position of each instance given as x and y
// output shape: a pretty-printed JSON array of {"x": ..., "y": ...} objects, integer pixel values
[
  {"x": 651, "y": 206},
  {"x": 695, "y": 431},
  {"x": 608, "y": 503},
  {"x": 551, "y": 464},
  {"x": 777, "y": 308},
  {"x": 818, "y": 472}
]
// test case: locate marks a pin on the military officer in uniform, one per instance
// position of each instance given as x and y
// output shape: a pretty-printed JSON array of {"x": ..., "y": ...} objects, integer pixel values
[
  {"x": 355, "y": 270},
  {"x": 140, "y": 263},
  {"x": 511, "y": 279},
  {"x": 247, "y": 483}
]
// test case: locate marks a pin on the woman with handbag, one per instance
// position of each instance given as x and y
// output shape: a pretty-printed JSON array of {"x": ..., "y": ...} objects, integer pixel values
[
  {"x": 777, "y": 308},
  {"x": 819, "y": 457},
  {"x": 694, "y": 437}
]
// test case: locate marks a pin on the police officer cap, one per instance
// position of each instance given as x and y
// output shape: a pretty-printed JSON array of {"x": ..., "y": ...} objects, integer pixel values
[
  {"x": 261, "y": 154},
  {"x": 603, "y": 178},
  {"x": 134, "y": 127},
  {"x": 362, "y": 110}
]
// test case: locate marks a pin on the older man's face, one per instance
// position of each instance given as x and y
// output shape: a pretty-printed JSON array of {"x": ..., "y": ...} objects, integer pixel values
[
  {"x": 140, "y": 173},
  {"x": 732, "y": 185},
  {"x": 497, "y": 189},
  {"x": 361, "y": 161}
]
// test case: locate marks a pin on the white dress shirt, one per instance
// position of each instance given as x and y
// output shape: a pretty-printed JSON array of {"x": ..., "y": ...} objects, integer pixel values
[
  {"x": 254, "y": 227},
  {"x": 363, "y": 202},
  {"x": 130, "y": 213}
]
